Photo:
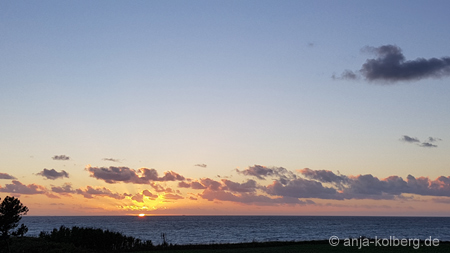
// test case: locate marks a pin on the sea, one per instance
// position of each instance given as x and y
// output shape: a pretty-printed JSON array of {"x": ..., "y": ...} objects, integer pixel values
[{"x": 235, "y": 229}]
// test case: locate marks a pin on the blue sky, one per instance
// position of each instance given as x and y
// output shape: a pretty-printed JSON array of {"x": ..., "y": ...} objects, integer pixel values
[{"x": 228, "y": 84}]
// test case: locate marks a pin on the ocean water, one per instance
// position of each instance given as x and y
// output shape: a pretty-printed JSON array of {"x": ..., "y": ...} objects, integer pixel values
[{"x": 233, "y": 229}]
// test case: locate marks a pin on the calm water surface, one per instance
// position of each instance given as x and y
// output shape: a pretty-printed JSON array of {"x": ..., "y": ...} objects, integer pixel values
[{"x": 231, "y": 229}]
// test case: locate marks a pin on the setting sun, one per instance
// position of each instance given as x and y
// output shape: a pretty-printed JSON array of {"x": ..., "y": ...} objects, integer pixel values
[{"x": 141, "y": 215}]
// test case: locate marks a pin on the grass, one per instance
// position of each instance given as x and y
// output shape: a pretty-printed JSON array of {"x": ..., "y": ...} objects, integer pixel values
[{"x": 291, "y": 247}]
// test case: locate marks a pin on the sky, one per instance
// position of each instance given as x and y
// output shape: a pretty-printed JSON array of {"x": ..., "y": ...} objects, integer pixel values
[{"x": 225, "y": 107}]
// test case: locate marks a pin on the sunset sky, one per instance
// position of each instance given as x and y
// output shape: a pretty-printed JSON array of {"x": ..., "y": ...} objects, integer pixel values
[{"x": 226, "y": 107}]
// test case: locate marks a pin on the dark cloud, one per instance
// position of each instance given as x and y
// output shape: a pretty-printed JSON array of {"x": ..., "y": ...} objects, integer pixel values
[
  {"x": 111, "y": 160},
  {"x": 61, "y": 157},
  {"x": 227, "y": 190},
  {"x": 406, "y": 138},
  {"x": 359, "y": 187},
  {"x": 247, "y": 198},
  {"x": 6, "y": 176},
  {"x": 261, "y": 172},
  {"x": 432, "y": 139},
  {"x": 223, "y": 185},
  {"x": 139, "y": 197},
  {"x": 249, "y": 186},
  {"x": 302, "y": 188},
  {"x": 391, "y": 66},
  {"x": 148, "y": 194},
  {"x": 325, "y": 176},
  {"x": 65, "y": 189},
  {"x": 113, "y": 175},
  {"x": 53, "y": 174},
  {"x": 19, "y": 188},
  {"x": 201, "y": 165},
  {"x": 194, "y": 185},
  {"x": 428, "y": 144},
  {"x": 91, "y": 192}
]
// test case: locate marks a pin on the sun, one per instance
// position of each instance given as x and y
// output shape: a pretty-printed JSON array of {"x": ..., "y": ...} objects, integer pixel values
[{"x": 141, "y": 215}]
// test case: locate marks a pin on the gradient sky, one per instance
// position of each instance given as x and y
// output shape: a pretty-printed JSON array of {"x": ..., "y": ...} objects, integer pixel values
[{"x": 225, "y": 107}]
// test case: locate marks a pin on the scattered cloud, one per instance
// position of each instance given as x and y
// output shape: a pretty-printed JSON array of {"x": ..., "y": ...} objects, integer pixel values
[
  {"x": 91, "y": 192},
  {"x": 111, "y": 160},
  {"x": 201, "y": 165},
  {"x": 19, "y": 188},
  {"x": 148, "y": 194},
  {"x": 53, "y": 174},
  {"x": 261, "y": 172},
  {"x": 139, "y": 197},
  {"x": 406, "y": 138},
  {"x": 432, "y": 139},
  {"x": 246, "y": 198},
  {"x": 425, "y": 144},
  {"x": 61, "y": 157},
  {"x": 249, "y": 186},
  {"x": 302, "y": 188},
  {"x": 347, "y": 74},
  {"x": 325, "y": 176},
  {"x": 66, "y": 189},
  {"x": 370, "y": 187},
  {"x": 391, "y": 66},
  {"x": 113, "y": 175},
  {"x": 6, "y": 176}
]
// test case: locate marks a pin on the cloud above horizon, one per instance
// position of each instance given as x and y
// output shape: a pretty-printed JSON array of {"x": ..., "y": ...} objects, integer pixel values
[
  {"x": 90, "y": 192},
  {"x": 425, "y": 144},
  {"x": 19, "y": 188},
  {"x": 390, "y": 66},
  {"x": 111, "y": 160},
  {"x": 113, "y": 175},
  {"x": 53, "y": 174},
  {"x": 61, "y": 157},
  {"x": 261, "y": 186},
  {"x": 6, "y": 176}
]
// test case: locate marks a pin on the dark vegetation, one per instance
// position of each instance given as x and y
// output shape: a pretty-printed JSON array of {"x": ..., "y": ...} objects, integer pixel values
[
  {"x": 95, "y": 239},
  {"x": 11, "y": 211}
]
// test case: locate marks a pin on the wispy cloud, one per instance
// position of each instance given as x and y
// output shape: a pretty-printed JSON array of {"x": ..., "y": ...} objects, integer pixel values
[
  {"x": 111, "y": 160},
  {"x": 201, "y": 165},
  {"x": 6, "y": 176},
  {"x": 172, "y": 196},
  {"x": 61, "y": 157},
  {"x": 53, "y": 174},
  {"x": 391, "y": 66}
]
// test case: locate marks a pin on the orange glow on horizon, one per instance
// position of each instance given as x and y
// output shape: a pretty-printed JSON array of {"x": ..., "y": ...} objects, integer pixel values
[{"x": 141, "y": 215}]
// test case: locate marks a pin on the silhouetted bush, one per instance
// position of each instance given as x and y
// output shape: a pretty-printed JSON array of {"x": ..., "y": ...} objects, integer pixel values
[{"x": 96, "y": 239}]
